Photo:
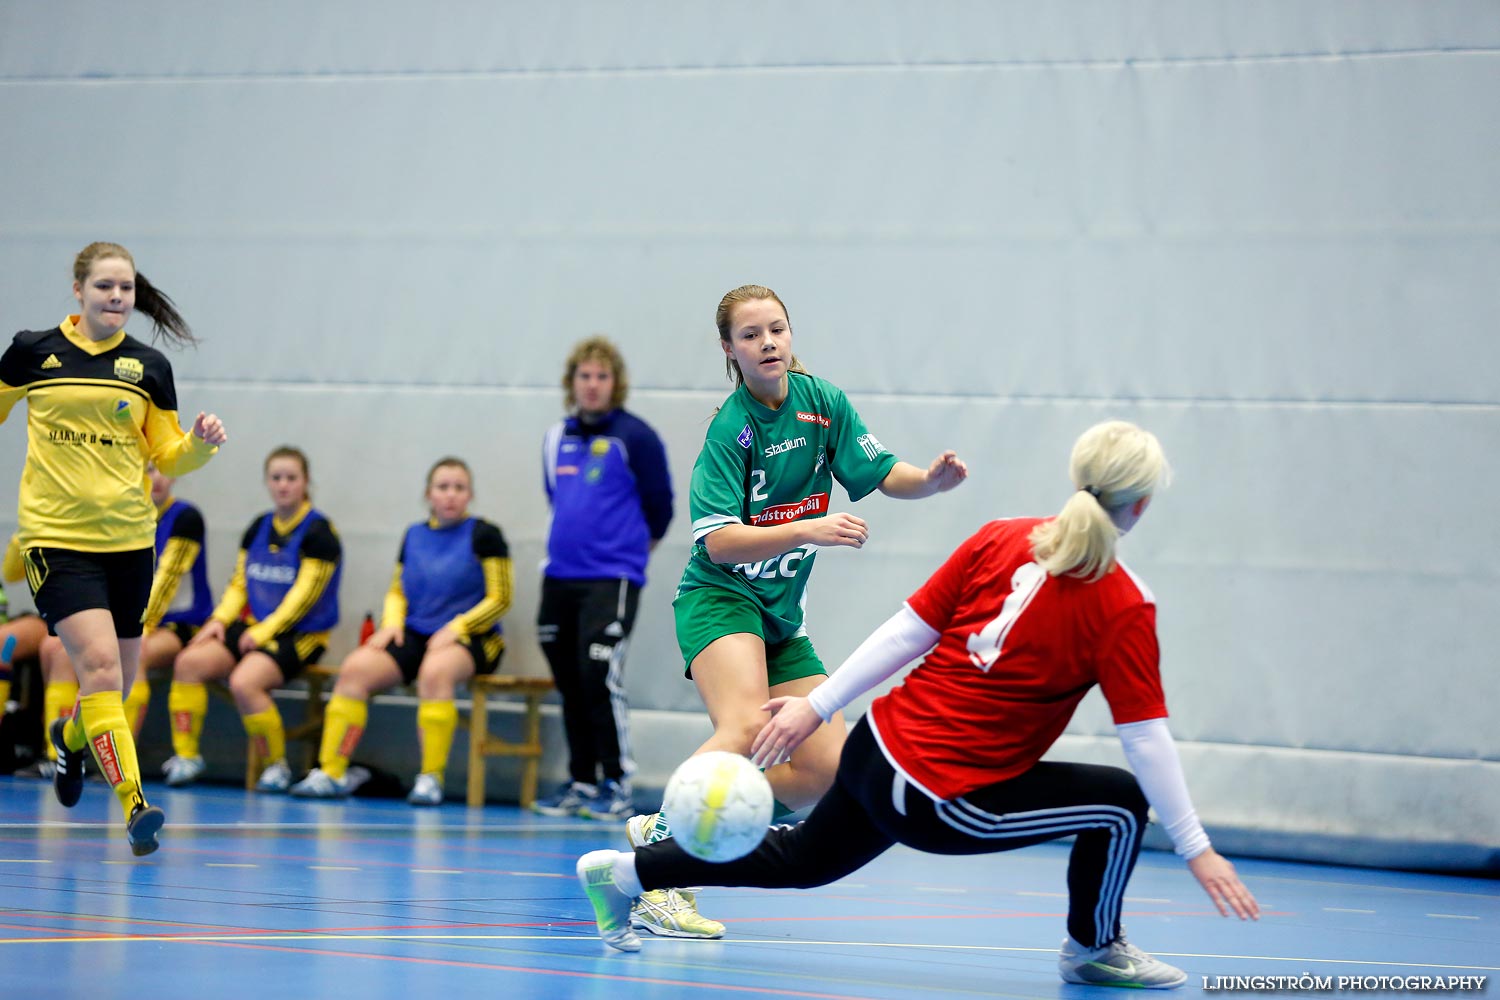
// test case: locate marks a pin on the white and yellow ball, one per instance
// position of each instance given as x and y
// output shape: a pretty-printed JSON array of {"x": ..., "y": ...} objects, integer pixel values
[{"x": 718, "y": 805}]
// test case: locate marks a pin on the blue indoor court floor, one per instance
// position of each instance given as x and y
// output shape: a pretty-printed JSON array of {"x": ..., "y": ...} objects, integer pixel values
[{"x": 261, "y": 897}]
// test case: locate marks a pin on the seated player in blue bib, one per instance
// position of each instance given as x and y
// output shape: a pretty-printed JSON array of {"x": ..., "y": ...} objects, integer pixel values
[
  {"x": 440, "y": 626},
  {"x": 272, "y": 622}
]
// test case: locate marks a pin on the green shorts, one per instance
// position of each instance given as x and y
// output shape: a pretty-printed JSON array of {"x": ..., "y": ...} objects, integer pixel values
[{"x": 707, "y": 613}]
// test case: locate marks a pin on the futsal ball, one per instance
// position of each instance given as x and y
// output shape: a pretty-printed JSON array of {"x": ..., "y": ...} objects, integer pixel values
[{"x": 718, "y": 805}]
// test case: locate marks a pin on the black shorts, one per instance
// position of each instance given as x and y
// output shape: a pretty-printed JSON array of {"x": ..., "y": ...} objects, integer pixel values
[
  {"x": 65, "y": 581},
  {"x": 485, "y": 649},
  {"x": 182, "y": 630},
  {"x": 293, "y": 652}
]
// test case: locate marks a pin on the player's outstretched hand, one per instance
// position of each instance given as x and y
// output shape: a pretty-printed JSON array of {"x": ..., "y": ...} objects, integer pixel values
[
  {"x": 1214, "y": 872},
  {"x": 839, "y": 529},
  {"x": 792, "y": 721},
  {"x": 210, "y": 428},
  {"x": 947, "y": 471}
]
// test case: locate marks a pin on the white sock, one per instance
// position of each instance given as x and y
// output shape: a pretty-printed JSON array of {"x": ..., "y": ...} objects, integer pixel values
[{"x": 626, "y": 880}]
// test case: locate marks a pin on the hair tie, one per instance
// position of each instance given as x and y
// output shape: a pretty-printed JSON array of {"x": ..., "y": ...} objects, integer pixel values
[{"x": 1092, "y": 491}]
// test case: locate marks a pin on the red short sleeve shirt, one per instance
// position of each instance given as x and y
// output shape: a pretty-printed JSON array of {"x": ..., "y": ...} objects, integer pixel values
[{"x": 1018, "y": 650}]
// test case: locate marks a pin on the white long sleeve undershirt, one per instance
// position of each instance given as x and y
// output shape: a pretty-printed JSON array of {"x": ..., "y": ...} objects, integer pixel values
[
  {"x": 1148, "y": 745},
  {"x": 902, "y": 638},
  {"x": 1152, "y": 755}
]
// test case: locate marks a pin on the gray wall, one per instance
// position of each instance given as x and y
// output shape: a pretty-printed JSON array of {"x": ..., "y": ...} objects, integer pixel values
[{"x": 1260, "y": 230}]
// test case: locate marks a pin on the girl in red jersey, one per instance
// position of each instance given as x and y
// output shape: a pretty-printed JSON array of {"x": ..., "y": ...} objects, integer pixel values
[{"x": 1016, "y": 626}]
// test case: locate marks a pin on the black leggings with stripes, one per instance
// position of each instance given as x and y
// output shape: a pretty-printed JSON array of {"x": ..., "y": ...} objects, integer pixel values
[
  {"x": 584, "y": 630},
  {"x": 870, "y": 807}
]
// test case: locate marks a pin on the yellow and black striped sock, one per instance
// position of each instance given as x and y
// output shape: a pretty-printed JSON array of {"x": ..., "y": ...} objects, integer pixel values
[
  {"x": 58, "y": 700},
  {"x": 269, "y": 734},
  {"x": 74, "y": 737},
  {"x": 436, "y": 721},
  {"x": 136, "y": 703},
  {"x": 6, "y": 652},
  {"x": 187, "y": 704},
  {"x": 103, "y": 717},
  {"x": 343, "y": 724}
]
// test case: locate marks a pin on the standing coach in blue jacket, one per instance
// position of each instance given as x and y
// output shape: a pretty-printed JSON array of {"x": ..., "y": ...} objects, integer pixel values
[{"x": 606, "y": 476}]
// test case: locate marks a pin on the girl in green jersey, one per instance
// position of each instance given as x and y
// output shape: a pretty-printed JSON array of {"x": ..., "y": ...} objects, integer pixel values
[
  {"x": 760, "y": 510},
  {"x": 759, "y": 504}
]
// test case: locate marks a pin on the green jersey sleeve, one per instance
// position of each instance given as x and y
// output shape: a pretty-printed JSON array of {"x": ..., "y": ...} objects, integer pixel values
[
  {"x": 717, "y": 496},
  {"x": 859, "y": 461}
]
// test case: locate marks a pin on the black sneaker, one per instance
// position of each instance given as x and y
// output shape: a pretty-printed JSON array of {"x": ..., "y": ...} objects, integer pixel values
[
  {"x": 142, "y": 827},
  {"x": 67, "y": 780}
]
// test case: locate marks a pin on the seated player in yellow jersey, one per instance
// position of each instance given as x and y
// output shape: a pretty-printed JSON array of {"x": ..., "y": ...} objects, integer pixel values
[{"x": 21, "y": 638}]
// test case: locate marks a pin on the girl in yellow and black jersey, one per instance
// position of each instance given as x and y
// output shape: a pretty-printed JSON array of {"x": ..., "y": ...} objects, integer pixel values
[
  {"x": 100, "y": 405},
  {"x": 180, "y": 603},
  {"x": 272, "y": 622}
]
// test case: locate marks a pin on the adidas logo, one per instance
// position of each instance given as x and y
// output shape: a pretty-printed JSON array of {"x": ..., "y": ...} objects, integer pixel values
[{"x": 51, "y": 362}]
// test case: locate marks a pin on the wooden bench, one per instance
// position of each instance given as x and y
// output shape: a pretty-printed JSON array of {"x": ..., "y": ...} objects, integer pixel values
[{"x": 482, "y": 743}]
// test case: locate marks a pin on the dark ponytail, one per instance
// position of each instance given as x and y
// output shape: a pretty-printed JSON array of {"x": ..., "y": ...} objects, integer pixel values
[{"x": 166, "y": 321}]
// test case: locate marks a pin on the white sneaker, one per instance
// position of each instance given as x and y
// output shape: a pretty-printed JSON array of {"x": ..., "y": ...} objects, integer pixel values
[
  {"x": 673, "y": 913},
  {"x": 319, "y": 784},
  {"x": 596, "y": 873},
  {"x": 181, "y": 771},
  {"x": 276, "y": 778},
  {"x": 427, "y": 791},
  {"x": 1118, "y": 963},
  {"x": 666, "y": 912},
  {"x": 647, "y": 829}
]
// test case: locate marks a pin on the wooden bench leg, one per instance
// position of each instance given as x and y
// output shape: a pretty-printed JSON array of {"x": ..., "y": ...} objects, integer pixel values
[
  {"x": 253, "y": 764},
  {"x": 311, "y": 729},
  {"x": 533, "y": 760},
  {"x": 479, "y": 731}
]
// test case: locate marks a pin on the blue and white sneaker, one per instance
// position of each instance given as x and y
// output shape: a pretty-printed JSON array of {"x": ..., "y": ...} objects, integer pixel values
[
  {"x": 275, "y": 779},
  {"x": 568, "y": 800},
  {"x": 611, "y": 802},
  {"x": 427, "y": 790},
  {"x": 319, "y": 784},
  {"x": 181, "y": 771}
]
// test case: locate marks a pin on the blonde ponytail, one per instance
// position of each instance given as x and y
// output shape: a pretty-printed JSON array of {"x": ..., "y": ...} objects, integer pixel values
[{"x": 1114, "y": 464}]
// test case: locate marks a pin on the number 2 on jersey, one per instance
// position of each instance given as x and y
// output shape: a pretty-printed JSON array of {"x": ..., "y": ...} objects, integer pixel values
[
  {"x": 758, "y": 485},
  {"x": 986, "y": 645}
]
